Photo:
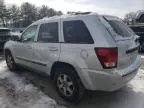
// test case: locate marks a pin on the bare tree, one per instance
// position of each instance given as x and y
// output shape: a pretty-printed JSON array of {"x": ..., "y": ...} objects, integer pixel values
[
  {"x": 28, "y": 13},
  {"x": 43, "y": 12},
  {"x": 25, "y": 14},
  {"x": 46, "y": 11},
  {"x": 3, "y": 13},
  {"x": 130, "y": 18},
  {"x": 15, "y": 15}
]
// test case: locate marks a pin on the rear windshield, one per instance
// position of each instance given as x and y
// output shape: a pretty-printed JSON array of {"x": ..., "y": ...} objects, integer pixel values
[{"x": 121, "y": 28}]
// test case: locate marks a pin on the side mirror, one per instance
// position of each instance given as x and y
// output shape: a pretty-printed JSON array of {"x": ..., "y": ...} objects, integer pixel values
[
  {"x": 21, "y": 31},
  {"x": 16, "y": 38},
  {"x": 26, "y": 39}
]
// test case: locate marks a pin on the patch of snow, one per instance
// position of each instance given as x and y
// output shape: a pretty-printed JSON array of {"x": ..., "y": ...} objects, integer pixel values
[
  {"x": 140, "y": 74},
  {"x": 142, "y": 57},
  {"x": 2, "y": 66},
  {"x": 16, "y": 93}
]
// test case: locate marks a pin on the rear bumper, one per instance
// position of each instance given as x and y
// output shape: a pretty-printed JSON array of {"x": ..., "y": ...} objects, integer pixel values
[{"x": 109, "y": 80}]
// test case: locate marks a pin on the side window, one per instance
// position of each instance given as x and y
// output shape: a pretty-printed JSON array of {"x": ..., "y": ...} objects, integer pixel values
[
  {"x": 76, "y": 32},
  {"x": 48, "y": 32},
  {"x": 29, "y": 34}
]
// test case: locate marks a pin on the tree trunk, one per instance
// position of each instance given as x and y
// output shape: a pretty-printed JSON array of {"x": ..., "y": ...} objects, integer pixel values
[{"x": 3, "y": 23}]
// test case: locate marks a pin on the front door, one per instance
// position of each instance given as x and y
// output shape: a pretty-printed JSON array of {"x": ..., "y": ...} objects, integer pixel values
[{"x": 24, "y": 48}]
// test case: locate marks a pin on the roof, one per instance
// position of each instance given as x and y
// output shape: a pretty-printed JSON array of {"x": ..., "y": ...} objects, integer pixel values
[
  {"x": 45, "y": 19},
  {"x": 69, "y": 16}
]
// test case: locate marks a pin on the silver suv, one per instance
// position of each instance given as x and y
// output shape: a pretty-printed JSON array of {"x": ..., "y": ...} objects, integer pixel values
[{"x": 79, "y": 52}]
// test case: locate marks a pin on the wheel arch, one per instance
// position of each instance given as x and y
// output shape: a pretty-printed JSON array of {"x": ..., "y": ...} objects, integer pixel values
[
  {"x": 6, "y": 51},
  {"x": 10, "y": 51},
  {"x": 62, "y": 64}
]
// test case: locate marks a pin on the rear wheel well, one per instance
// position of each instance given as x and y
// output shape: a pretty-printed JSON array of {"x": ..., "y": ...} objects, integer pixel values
[
  {"x": 62, "y": 64},
  {"x": 65, "y": 69}
]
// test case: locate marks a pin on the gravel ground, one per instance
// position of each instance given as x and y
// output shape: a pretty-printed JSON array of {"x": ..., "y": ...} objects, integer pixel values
[{"x": 24, "y": 89}]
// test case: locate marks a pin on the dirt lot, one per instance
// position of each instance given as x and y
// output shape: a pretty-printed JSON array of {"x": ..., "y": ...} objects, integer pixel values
[{"x": 24, "y": 89}]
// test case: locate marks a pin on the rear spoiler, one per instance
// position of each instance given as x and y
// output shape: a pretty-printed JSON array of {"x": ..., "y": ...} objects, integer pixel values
[{"x": 132, "y": 50}]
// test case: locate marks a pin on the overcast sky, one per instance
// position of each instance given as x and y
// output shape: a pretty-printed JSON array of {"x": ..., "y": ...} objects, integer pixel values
[{"x": 112, "y": 7}]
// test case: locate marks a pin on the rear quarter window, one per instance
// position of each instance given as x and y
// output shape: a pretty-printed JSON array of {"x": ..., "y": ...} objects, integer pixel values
[
  {"x": 76, "y": 32},
  {"x": 120, "y": 28}
]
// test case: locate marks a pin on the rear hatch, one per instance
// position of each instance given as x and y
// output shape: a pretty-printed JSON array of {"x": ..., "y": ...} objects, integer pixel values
[{"x": 125, "y": 38}]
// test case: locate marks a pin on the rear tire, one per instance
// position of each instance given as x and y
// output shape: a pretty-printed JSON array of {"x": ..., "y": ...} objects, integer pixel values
[
  {"x": 10, "y": 61},
  {"x": 68, "y": 84}
]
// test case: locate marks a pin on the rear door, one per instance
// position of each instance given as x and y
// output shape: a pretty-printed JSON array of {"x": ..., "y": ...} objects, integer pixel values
[
  {"x": 47, "y": 46},
  {"x": 125, "y": 39}
]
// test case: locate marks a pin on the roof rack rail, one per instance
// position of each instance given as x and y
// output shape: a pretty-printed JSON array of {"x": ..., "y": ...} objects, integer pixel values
[
  {"x": 78, "y": 13},
  {"x": 51, "y": 16}
]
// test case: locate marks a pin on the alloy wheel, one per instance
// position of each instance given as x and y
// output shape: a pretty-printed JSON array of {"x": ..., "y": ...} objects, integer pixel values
[
  {"x": 9, "y": 61},
  {"x": 65, "y": 85}
]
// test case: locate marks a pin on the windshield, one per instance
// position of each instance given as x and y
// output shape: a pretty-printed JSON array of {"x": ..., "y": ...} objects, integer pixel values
[{"x": 121, "y": 28}]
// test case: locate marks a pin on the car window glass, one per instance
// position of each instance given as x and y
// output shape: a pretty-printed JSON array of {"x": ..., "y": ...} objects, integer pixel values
[
  {"x": 29, "y": 34},
  {"x": 120, "y": 28},
  {"x": 48, "y": 32},
  {"x": 76, "y": 32}
]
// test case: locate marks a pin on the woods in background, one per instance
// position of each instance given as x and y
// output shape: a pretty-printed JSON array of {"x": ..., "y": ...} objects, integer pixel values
[
  {"x": 24, "y": 15},
  {"x": 133, "y": 18}
]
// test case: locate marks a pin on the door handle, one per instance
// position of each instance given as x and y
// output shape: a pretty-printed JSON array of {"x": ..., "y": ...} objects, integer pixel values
[{"x": 53, "y": 48}]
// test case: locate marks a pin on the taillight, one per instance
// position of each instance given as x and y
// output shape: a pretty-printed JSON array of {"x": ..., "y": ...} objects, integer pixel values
[{"x": 108, "y": 57}]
